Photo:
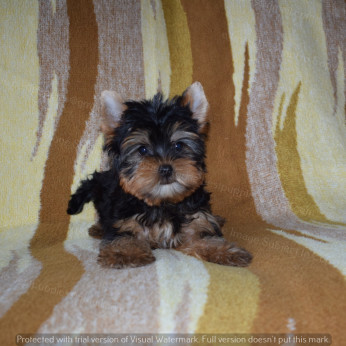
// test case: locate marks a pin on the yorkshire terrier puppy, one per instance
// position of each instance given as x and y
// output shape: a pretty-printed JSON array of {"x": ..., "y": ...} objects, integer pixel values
[{"x": 154, "y": 196}]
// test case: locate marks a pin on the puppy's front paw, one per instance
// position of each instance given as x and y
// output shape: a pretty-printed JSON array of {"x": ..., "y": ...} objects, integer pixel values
[{"x": 125, "y": 252}]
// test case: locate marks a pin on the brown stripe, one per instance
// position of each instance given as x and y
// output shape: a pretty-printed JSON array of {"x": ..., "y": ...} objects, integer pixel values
[
  {"x": 296, "y": 283},
  {"x": 283, "y": 267},
  {"x": 227, "y": 177},
  {"x": 115, "y": 301},
  {"x": 61, "y": 270},
  {"x": 213, "y": 67}
]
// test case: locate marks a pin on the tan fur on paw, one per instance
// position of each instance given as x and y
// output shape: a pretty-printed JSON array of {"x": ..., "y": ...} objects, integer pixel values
[
  {"x": 237, "y": 256},
  {"x": 217, "y": 250},
  {"x": 125, "y": 252},
  {"x": 96, "y": 231}
]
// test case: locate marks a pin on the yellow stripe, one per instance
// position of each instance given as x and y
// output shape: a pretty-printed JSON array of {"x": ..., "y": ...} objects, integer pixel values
[
  {"x": 232, "y": 300},
  {"x": 320, "y": 134},
  {"x": 289, "y": 166},
  {"x": 179, "y": 46}
]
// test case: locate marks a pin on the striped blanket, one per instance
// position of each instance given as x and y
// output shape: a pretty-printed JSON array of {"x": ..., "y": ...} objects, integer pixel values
[{"x": 274, "y": 75}]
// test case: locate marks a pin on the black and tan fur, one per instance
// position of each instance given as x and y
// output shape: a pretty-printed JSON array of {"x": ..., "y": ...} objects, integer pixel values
[{"x": 154, "y": 194}]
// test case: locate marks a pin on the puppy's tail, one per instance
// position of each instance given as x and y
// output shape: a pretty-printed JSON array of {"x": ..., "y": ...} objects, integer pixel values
[{"x": 84, "y": 194}]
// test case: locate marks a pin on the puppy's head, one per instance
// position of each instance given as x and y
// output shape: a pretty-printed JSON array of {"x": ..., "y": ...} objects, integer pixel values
[{"x": 157, "y": 145}]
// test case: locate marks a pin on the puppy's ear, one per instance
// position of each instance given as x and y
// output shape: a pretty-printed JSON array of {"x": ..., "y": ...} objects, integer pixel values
[
  {"x": 195, "y": 99},
  {"x": 112, "y": 109}
]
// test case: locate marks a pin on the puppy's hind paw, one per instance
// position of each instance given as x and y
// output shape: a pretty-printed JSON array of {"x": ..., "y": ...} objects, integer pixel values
[
  {"x": 217, "y": 250},
  {"x": 238, "y": 257}
]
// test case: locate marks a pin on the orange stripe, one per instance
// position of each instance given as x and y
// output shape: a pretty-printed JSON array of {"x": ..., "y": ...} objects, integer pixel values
[
  {"x": 295, "y": 283},
  {"x": 227, "y": 177},
  {"x": 61, "y": 270},
  {"x": 213, "y": 67}
]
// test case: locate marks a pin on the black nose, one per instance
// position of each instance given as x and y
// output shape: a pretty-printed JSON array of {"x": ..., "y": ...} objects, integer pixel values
[{"x": 165, "y": 171}]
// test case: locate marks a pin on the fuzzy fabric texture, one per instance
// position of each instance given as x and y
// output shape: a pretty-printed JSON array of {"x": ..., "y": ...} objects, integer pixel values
[{"x": 274, "y": 76}]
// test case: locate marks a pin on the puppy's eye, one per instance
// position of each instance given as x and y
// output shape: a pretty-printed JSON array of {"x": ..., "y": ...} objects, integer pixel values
[
  {"x": 178, "y": 146},
  {"x": 143, "y": 150}
]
